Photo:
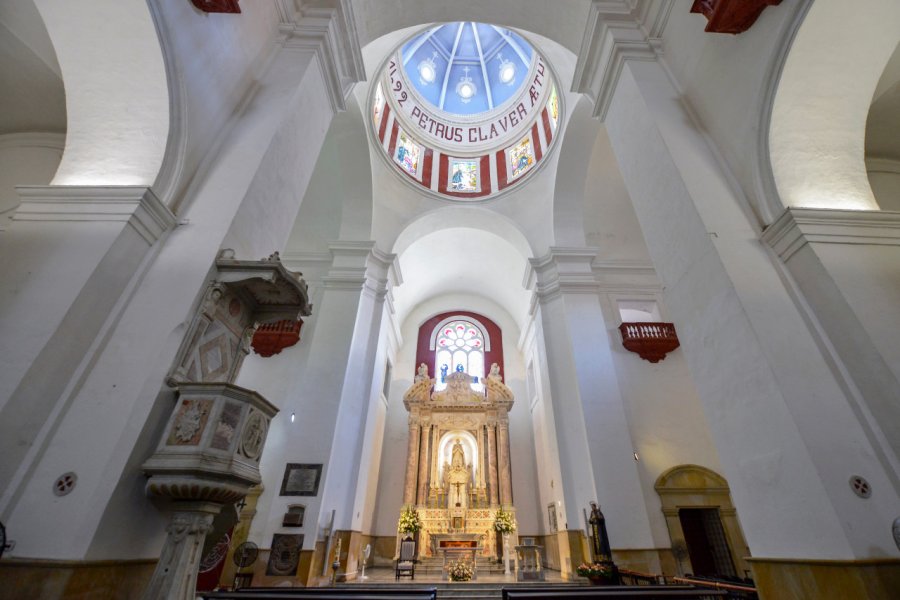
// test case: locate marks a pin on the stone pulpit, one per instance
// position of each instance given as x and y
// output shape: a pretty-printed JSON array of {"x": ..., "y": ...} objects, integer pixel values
[{"x": 458, "y": 468}]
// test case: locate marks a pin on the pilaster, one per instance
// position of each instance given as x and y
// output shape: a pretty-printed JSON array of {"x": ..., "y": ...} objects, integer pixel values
[{"x": 593, "y": 438}]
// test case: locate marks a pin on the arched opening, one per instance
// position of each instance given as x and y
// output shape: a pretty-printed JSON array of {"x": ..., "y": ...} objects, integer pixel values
[
  {"x": 818, "y": 124},
  {"x": 882, "y": 141},
  {"x": 702, "y": 522}
]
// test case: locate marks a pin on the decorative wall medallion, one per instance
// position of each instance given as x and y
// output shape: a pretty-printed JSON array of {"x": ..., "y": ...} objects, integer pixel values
[
  {"x": 285, "y": 554},
  {"x": 190, "y": 422},
  {"x": 65, "y": 483},
  {"x": 860, "y": 486},
  {"x": 254, "y": 435}
]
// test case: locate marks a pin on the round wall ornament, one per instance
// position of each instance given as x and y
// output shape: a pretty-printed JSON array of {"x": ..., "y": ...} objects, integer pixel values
[
  {"x": 860, "y": 486},
  {"x": 254, "y": 435},
  {"x": 65, "y": 483}
]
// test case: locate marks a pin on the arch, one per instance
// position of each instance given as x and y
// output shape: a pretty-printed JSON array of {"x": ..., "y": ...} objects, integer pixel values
[
  {"x": 121, "y": 140},
  {"x": 574, "y": 159},
  {"x": 818, "y": 116},
  {"x": 564, "y": 26},
  {"x": 690, "y": 487}
]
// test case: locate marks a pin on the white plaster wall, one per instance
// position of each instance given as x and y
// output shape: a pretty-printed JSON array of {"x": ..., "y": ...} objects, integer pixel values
[
  {"x": 723, "y": 79},
  {"x": 214, "y": 62},
  {"x": 26, "y": 159},
  {"x": 665, "y": 417},
  {"x": 121, "y": 140}
]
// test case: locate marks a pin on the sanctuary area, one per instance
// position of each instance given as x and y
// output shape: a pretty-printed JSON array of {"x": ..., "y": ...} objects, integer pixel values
[{"x": 312, "y": 293}]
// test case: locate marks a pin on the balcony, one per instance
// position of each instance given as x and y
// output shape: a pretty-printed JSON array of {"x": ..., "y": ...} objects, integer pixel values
[{"x": 650, "y": 341}]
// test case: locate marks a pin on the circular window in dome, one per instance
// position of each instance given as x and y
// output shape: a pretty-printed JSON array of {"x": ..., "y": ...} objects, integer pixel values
[{"x": 465, "y": 110}]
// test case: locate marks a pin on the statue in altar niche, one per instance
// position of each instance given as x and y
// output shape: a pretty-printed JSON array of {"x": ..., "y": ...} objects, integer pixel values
[{"x": 457, "y": 477}]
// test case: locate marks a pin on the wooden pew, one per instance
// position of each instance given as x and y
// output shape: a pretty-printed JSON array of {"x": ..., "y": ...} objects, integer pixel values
[
  {"x": 612, "y": 592},
  {"x": 356, "y": 592}
]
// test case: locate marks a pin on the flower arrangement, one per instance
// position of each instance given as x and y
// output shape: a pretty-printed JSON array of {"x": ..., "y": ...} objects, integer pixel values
[
  {"x": 594, "y": 570},
  {"x": 503, "y": 522},
  {"x": 460, "y": 571},
  {"x": 409, "y": 521}
]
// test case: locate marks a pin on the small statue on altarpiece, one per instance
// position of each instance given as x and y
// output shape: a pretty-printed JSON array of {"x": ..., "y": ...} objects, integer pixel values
[{"x": 602, "y": 551}]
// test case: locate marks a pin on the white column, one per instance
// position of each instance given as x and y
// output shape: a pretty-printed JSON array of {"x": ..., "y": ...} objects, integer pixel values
[
  {"x": 594, "y": 443},
  {"x": 787, "y": 432}
]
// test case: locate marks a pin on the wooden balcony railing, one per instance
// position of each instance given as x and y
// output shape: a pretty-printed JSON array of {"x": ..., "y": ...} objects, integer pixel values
[
  {"x": 272, "y": 338},
  {"x": 650, "y": 341}
]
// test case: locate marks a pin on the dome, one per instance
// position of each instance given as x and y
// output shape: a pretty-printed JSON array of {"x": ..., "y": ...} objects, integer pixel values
[
  {"x": 467, "y": 68},
  {"x": 465, "y": 110}
]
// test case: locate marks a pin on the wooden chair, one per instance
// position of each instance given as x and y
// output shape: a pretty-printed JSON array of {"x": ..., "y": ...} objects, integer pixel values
[{"x": 406, "y": 561}]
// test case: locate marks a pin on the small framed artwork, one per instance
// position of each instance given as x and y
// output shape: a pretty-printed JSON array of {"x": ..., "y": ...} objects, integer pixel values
[
  {"x": 301, "y": 480},
  {"x": 551, "y": 514}
]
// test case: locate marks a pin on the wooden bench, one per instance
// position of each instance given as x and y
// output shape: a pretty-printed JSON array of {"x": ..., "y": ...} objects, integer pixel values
[
  {"x": 612, "y": 592},
  {"x": 356, "y": 592}
]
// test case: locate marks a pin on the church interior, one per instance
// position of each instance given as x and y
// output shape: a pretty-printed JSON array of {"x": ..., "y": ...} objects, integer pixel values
[{"x": 286, "y": 283}]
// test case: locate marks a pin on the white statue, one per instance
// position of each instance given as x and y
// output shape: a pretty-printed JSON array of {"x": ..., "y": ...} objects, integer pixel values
[
  {"x": 422, "y": 373},
  {"x": 420, "y": 390},
  {"x": 495, "y": 389},
  {"x": 495, "y": 372},
  {"x": 457, "y": 477}
]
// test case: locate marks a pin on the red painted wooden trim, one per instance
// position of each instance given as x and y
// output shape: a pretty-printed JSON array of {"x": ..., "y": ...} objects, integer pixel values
[
  {"x": 217, "y": 6},
  {"x": 548, "y": 131},
  {"x": 536, "y": 141},
  {"x": 427, "y": 162},
  {"x": 384, "y": 120},
  {"x": 392, "y": 147},
  {"x": 272, "y": 338},
  {"x": 502, "y": 178},
  {"x": 731, "y": 16},
  {"x": 424, "y": 355}
]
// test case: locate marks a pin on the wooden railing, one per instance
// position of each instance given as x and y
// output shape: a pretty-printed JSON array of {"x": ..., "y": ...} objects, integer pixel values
[
  {"x": 735, "y": 591},
  {"x": 651, "y": 341}
]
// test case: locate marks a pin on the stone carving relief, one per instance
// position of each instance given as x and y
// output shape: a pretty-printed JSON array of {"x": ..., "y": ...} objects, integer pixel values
[
  {"x": 189, "y": 423},
  {"x": 495, "y": 389},
  {"x": 458, "y": 390},
  {"x": 253, "y": 436}
]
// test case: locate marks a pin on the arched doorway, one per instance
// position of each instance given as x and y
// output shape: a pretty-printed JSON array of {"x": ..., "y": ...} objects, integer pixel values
[{"x": 702, "y": 522}]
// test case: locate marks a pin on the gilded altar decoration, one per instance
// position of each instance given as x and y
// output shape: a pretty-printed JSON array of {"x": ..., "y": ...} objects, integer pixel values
[{"x": 458, "y": 469}]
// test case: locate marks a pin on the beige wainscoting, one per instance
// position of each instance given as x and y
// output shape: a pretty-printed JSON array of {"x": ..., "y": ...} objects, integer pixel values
[
  {"x": 61, "y": 580},
  {"x": 789, "y": 579}
]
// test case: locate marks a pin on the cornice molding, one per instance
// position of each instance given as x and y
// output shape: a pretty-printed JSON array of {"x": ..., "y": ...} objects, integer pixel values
[
  {"x": 797, "y": 227},
  {"x": 137, "y": 206},
  {"x": 39, "y": 139},
  {"x": 330, "y": 33},
  {"x": 563, "y": 270},
  {"x": 617, "y": 31}
]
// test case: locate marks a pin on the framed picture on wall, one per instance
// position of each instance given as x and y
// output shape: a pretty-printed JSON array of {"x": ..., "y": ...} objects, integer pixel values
[
  {"x": 551, "y": 515},
  {"x": 301, "y": 480}
]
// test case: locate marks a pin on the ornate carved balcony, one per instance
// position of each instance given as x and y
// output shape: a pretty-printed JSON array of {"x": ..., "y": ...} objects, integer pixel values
[
  {"x": 731, "y": 16},
  {"x": 650, "y": 341},
  {"x": 217, "y": 6},
  {"x": 272, "y": 338}
]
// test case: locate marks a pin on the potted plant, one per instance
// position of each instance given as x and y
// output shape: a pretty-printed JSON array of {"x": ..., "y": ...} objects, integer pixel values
[
  {"x": 504, "y": 524},
  {"x": 598, "y": 573},
  {"x": 460, "y": 571}
]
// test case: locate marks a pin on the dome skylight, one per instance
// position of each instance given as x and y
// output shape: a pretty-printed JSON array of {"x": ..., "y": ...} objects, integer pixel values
[{"x": 465, "y": 110}]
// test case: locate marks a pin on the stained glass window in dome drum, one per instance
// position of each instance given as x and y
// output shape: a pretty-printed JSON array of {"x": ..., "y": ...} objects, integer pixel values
[
  {"x": 553, "y": 107},
  {"x": 407, "y": 154},
  {"x": 520, "y": 157},
  {"x": 459, "y": 345},
  {"x": 464, "y": 176}
]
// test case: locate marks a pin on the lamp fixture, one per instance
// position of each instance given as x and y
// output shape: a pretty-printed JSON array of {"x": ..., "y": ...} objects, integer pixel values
[
  {"x": 507, "y": 72},
  {"x": 427, "y": 70},
  {"x": 466, "y": 88}
]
